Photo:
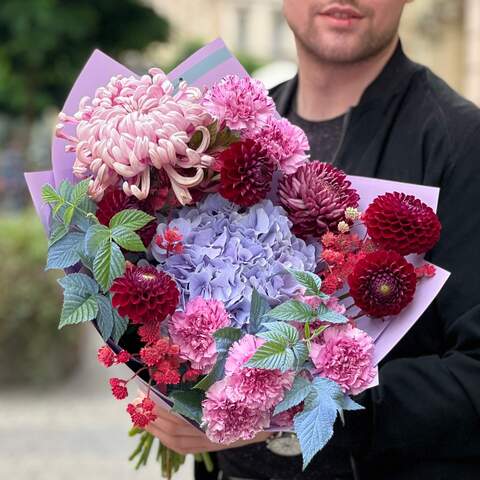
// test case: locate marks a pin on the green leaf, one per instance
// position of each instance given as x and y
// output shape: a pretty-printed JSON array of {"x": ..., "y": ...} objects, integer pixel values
[
  {"x": 65, "y": 190},
  {"x": 68, "y": 214},
  {"x": 309, "y": 280},
  {"x": 325, "y": 315},
  {"x": 105, "y": 316},
  {"x": 300, "y": 350},
  {"x": 293, "y": 310},
  {"x": 188, "y": 403},
  {"x": 95, "y": 236},
  {"x": 281, "y": 332},
  {"x": 273, "y": 355},
  {"x": 346, "y": 403},
  {"x": 57, "y": 233},
  {"x": 120, "y": 325},
  {"x": 80, "y": 191},
  {"x": 64, "y": 253},
  {"x": 49, "y": 195},
  {"x": 258, "y": 308},
  {"x": 131, "y": 218},
  {"x": 80, "y": 283},
  {"x": 108, "y": 264},
  {"x": 128, "y": 239},
  {"x": 225, "y": 138},
  {"x": 301, "y": 388},
  {"x": 86, "y": 260},
  {"x": 224, "y": 339},
  {"x": 77, "y": 308}
]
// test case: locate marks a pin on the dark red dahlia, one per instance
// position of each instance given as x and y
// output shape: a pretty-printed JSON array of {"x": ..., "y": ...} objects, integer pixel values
[
  {"x": 115, "y": 200},
  {"x": 245, "y": 173},
  {"x": 144, "y": 295},
  {"x": 402, "y": 223},
  {"x": 382, "y": 283},
  {"x": 315, "y": 198}
]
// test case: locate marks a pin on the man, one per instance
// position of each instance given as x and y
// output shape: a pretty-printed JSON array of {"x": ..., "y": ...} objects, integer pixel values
[{"x": 370, "y": 111}]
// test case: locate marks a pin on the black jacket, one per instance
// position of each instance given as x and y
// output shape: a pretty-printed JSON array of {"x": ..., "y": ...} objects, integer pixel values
[{"x": 423, "y": 420}]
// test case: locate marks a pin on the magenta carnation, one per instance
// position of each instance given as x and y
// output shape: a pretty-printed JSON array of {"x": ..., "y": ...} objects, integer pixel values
[
  {"x": 255, "y": 387},
  {"x": 228, "y": 420},
  {"x": 193, "y": 329},
  {"x": 285, "y": 143},
  {"x": 239, "y": 103},
  {"x": 345, "y": 355}
]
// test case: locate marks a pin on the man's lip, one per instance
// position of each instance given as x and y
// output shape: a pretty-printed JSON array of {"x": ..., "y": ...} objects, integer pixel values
[{"x": 341, "y": 10}]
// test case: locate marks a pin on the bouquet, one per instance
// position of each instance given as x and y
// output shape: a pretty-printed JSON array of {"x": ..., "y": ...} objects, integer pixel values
[{"x": 247, "y": 287}]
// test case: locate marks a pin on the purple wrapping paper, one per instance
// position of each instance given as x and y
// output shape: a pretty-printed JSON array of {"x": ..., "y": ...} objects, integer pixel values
[{"x": 203, "y": 68}]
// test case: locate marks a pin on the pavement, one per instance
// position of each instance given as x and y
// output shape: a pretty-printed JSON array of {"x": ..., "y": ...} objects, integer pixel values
[{"x": 77, "y": 431}]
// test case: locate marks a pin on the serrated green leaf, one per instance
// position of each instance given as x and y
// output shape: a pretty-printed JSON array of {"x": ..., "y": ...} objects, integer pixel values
[
  {"x": 77, "y": 308},
  {"x": 258, "y": 308},
  {"x": 188, "y": 403},
  {"x": 57, "y": 233},
  {"x": 87, "y": 261},
  {"x": 128, "y": 239},
  {"x": 131, "y": 218},
  {"x": 105, "y": 316},
  {"x": 346, "y": 403},
  {"x": 79, "y": 282},
  {"x": 50, "y": 195},
  {"x": 68, "y": 215},
  {"x": 273, "y": 355},
  {"x": 64, "y": 253},
  {"x": 120, "y": 325},
  {"x": 95, "y": 236},
  {"x": 325, "y": 315},
  {"x": 291, "y": 311},
  {"x": 65, "y": 190},
  {"x": 109, "y": 263},
  {"x": 300, "y": 350},
  {"x": 301, "y": 388},
  {"x": 226, "y": 337},
  {"x": 280, "y": 331},
  {"x": 80, "y": 191},
  {"x": 309, "y": 280}
]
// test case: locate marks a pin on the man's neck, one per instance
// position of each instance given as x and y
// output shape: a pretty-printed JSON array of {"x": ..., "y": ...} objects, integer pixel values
[{"x": 327, "y": 90}]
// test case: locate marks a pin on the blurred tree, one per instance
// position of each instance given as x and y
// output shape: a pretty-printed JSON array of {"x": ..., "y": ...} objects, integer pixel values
[{"x": 44, "y": 44}]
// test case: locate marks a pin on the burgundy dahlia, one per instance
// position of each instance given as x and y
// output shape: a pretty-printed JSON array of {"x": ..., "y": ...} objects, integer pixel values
[
  {"x": 402, "y": 223},
  {"x": 145, "y": 295},
  {"x": 382, "y": 283},
  {"x": 115, "y": 200},
  {"x": 245, "y": 173},
  {"x": 315, "y": 198}
]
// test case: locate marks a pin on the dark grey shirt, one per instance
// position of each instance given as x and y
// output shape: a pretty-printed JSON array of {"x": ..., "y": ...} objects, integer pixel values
[{"x": 324, "y": 137}]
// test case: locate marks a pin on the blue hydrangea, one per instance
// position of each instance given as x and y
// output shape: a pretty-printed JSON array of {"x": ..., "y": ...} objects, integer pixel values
[{"x": 229, "y": 251}]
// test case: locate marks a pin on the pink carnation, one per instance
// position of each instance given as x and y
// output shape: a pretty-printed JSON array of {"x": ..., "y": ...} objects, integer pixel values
[
  {"x": 193, "y": 331},
  {"x": 345, "y": 356},
  {"x": 228, "y": 420},
  {"x": 254, "y": 387},
  {"x": 239, "y": 103},
  {"x": 285, "y": 143}
]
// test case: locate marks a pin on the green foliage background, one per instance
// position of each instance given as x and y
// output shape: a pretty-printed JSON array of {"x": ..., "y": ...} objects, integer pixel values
[{"x": 32, "y": 349}]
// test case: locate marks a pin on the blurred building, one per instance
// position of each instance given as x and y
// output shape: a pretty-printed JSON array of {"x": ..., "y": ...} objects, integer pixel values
[{"x": 443, "y": 34}]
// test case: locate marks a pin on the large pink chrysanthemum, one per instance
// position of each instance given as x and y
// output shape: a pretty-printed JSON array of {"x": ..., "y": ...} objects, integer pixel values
[
  {"x": 228, "y": 420},
  {"x": 135, "y": 124},
  {"x": 345, "y": 355},
  {"x": 239, "y": 103},
  {"x": 193, "y": 329}
]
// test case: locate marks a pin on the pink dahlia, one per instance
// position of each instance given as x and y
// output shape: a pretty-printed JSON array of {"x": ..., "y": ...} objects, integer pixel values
[
  {"x": 285, "y": 143},
  {"x": 193, "y": 329},
  {"x": 345, "y": 356},
  {"x": 315, "y": 198},
  {"x": 228, "y": 420},
  {"x": 255, "y": 387},
  {"x": 135, "y": 124},
  {"x": 239, "y": 103}
]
